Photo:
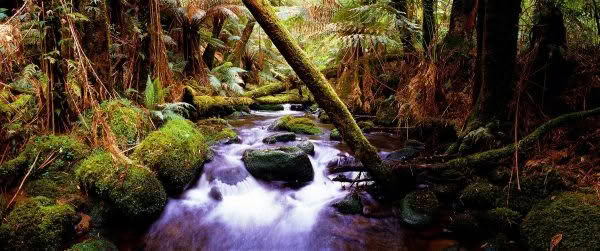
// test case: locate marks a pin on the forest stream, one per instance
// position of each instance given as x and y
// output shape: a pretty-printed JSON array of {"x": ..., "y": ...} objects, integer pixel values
[{"x": 228, "y": 209}]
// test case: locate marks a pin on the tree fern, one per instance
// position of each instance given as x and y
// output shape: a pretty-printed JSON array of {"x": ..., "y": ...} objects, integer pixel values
[{"x": 154, "y": 94}]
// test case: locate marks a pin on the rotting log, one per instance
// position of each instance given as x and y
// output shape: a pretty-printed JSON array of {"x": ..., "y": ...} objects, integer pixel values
[
  {"x": 322, "y": 91},
  {"x": 268, "y": 89},
  {"x": 207, "y": 106}
]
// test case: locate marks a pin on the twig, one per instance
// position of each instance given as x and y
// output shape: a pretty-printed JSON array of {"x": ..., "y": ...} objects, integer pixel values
[{"x": 23, "y": 181}]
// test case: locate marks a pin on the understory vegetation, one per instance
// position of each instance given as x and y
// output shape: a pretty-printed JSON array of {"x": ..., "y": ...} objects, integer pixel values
[{"x": 108, "y": 108}]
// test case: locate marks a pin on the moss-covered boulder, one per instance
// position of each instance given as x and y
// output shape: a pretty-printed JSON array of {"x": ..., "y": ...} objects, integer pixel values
[
  {"x": 307, "y": 146},
  {"x": 366, "y": 126},
  {"x": 37, "y": 224},
  {"x": 216, "y": 130},
  {"x": 302, "y": 125},
  {"x": 175, "y": 152},
  {"x": 335, "y": 135},
  {"x": 280, "y": 137},
  {"x": 418, "y": 208},
  {"x": 129, "y": 123},
  {"x": 288, "y": 164},
  {"x": 480, "y": 195},
  {"x": 574, "y": 215},
  {"x": 502, "y": 219},
  {"x": 65, "y": 150},
  {"x": 323, "y": 117},
  {"x": 535, "y": 187},
  {"x": 132, "y": 190},
  {"x": 94, "y": 245},
  {"x": 350, "y": 204},
  {"x": 59, "y": 185},
  {"x": 465, "y": 225}
]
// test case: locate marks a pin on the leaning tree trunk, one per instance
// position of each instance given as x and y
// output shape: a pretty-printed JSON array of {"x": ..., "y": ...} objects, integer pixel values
[
  {"x": 497, "y": 59},
  {"x": 428, "y": 23},
  {"x": 322, "y": 91},
  {"x": 240, "y": 48},
  {"x": 401, "y": 7},
  {"x": 462, "y": 20},
  {"x": 95, "y": 41},
  {"x": 209, "y": 52}
]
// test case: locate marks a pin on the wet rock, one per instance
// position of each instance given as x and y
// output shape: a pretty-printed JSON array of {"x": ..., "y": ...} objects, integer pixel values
[
  {"x": 335, "y": 135},
  {"x": 215, "y": 194},
  {"x": 501, "y": 219},
  {"x": 280, "y": 137},
  {"x": 419, "y": 207},
  {"x": 37, "y": 224},
  {"x": 94, "y": 244},
  {"x": 411, "y": 149},
  {"x": 303, "y": 125},
  {"x": 235, "y": 140},
  {"x": 350, "y": 204},
  {"x": 307, "y": 146},
  {"x": 297, "y": 107},
  {"x": 267, "y": 107},
  {"x": 480, "y": 195},
  {"x": 288, "y": 164},
  {"x": 229, "y": 176},
  {"x": 576, "y": 216}
]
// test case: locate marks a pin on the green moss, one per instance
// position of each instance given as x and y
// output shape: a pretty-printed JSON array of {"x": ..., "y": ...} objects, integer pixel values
[
  {"x": 418, "y": 207},
  {"x": 335, "y": 134},
  {"x": 65, "y": 150},
  {"x": 290, "y": 97},
  {"x": 37, "y": 224},
  {"x": 94, "y": 245},
  {"x": 217, "y": 105},
  {"x": 216, "y": 130},
  {"x": 349, "y": 205},
  {"x": 267, "y": 89},
  {"x": 61, "y": 186},
  {"x": 480, "y": 195},
  {"x": 324, "y": 118},
  {"x": 502, "y": 219},
  {"x": 574, "y": 215},
  {"x": 302, "y": 125},
  {"x": 3, "y": 204},
  {"x": 366, "y": 125},
  {"x": 133, "y": 191},
  {"x": 175, "y": 152},
  {"x": 465, "y": 225},
  {"x": 535, "y": 187},
  {"x": 129, "y": 123}
]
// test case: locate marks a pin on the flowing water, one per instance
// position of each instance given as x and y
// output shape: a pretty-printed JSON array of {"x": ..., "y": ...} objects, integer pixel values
[{"x": 227, "y": 209}]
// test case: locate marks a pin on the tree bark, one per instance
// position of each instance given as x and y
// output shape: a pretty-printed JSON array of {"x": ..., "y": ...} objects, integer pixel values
[
  {"x": 191, "y": 47},
  {"x": 240, "y": 48},
  {"x": 596, "y": 15},
  {"x": 497, "y": 61},
  {"x": 406, "y": 38},
  {"x": 95, "y": 41},
  {"x": 462, "y": 20},
  {"x": 209, "y": 51},
  {"x": 429, "y": 24},
  {"x": 324, "y": 94}
]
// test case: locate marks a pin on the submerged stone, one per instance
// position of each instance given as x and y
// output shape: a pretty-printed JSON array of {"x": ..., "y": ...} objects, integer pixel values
[
  {"x": 280, "y": 137},
  {"x": 288, "y": 164},
  {"x": 575, "y": 216}
]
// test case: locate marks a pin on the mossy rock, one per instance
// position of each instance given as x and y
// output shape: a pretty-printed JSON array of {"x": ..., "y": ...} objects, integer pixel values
[
  {"x": 66, "y": 151},
  {"x": 267, "y": 107},
  {"x": 502, "y": 219},
  {"x": 480, "y": 195},
  {"x": 350, "y": 204},
  {"x": 366, "y": 126},
  {"x": 535, "y": 187},
  {"x": 37, "y": 224},
  {"x": 175, "y": 152},
  {"x": 94, "y": 245},
  {"x": 132, "y": 190},
  {"x": 216, "y": 130},
  {"x": 419, "y": 207},
  {"x": 307, "y": 146},
  {"x": 500, "y": 242},
  {"x": 280, "y": 137},
  {"x": 287, "y": 164},
  {"x": 129, "y": 123},
  {"x": 302, "y": 125},
  {"x": 324, "y": 118},
  {"x": 60, "y": 186},
  {"x": 335, "y": 135},
  {"x": 465, "y": 225},
  {"x": 574, "y": 215}
]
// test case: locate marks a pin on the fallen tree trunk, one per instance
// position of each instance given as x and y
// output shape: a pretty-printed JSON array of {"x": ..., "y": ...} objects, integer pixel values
[
  {"x": 525, "y": 145},
  {"x": 267, "y": 90},
  {"x": 207, "y": 106},
  {"x": 322, "y": 91}
]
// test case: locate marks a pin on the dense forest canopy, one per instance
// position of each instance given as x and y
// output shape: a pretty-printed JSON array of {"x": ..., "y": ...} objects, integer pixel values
[{"x": 116, "y": 106}]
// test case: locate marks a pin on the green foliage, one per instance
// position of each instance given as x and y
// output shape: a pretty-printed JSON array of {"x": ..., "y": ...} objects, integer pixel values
[
  {"x": 302, "y": 125},
  {"x": 154, "y": 94},
  {"x": 175, "y": 152},
  {"x": 37, "y": 224},
  {"x": 94, "y": 245},
  {"x": 574, "y": 215},
  {"x": 225, "y": 79},
  {"x": 216, "y": 130},
  {"x": 133, "y": 191}
]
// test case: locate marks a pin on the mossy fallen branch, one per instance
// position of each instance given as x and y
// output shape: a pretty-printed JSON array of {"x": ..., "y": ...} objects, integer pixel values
[
  {"x": 266, "y": 90},
  {"x": 207, "y": 106}
]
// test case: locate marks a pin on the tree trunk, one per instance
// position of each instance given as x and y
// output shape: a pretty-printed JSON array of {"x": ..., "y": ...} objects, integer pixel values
[
  {"x": 190, "y": 48},
  {"x": 240, "y": 48},
  {"x": 406, "y": 38},
  {"x": 429, "y": 24},
  {"x": 95, "y": 41},
  {"x": 322, "y": 91},
  {"x": 115, "y": 14},
  {"x": 209, "y": 52},
  {"x": 596, "y": 15},
  {"x": 497, "y": 61},
  {"x": 160, "y": 63},
  {"x": 462, "y": 20}
]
